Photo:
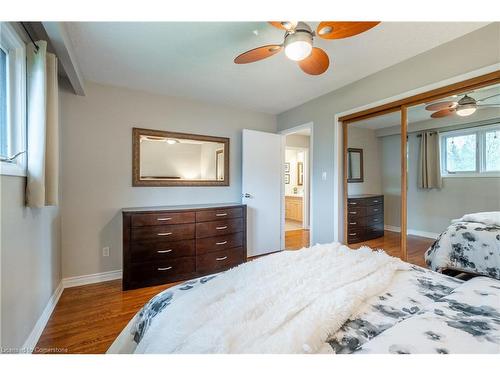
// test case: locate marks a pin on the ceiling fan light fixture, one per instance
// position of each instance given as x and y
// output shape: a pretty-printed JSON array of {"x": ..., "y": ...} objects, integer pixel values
[
  {"x": 466, "y": 110},
  {"x": 298, "y": 45}
]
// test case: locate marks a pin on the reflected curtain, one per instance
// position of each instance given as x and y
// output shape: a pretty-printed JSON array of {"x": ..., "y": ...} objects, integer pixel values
[
  {"x": 429, "y": 164},
  {"x": 42, "y": 187}
]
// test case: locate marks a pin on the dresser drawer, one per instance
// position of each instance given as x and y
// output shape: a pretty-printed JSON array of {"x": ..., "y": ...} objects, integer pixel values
[
  {"x": 141, "y": 220},
  {"x": 220, "y": 260},
  {"x": 374, "y": 220},
  {"x": 377, "y": 209},
  {"x": 211, "y": 244},
  {"x": 355, "y": 203},
  {"x": 374, "y": 200},
  {"x": 151, "y": 251},
  {"x": 356, "y": 212},
  {"x": 355, "y": 221},
  {"x": 226, "y": 213},
  {"x": 355, "y": 234},
  {"x": 374, "y": 231},
  {"x": 165, "y": 270},
  {"x": 164, "y": 232},
  {"x": 218, "y": 228}
]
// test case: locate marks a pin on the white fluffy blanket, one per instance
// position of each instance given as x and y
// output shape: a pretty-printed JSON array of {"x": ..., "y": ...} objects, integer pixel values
[
  {"x": 287, "y": 302},
  {"x": 487, "y": 218}
]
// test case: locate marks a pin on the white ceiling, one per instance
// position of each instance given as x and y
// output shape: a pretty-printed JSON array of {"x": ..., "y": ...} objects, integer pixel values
[
  {"x": 195, "y": 60},
  {"x": 419, "y": 113}
]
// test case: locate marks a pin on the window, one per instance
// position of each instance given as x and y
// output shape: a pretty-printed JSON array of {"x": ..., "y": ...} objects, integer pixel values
[
  {"x": 471, "y": 152},
  {"x": 12, "y": 102}
]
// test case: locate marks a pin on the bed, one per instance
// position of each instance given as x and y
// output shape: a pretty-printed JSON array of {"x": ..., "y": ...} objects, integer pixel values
[
  {"x": 388, "y": 306},
  {"x": 470, "y": 244}
]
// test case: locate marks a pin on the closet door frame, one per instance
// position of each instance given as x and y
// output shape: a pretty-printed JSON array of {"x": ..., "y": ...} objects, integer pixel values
[{"x": 402, "y": 106}]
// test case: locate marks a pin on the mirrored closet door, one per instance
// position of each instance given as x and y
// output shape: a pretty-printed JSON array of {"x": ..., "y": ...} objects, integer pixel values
[{"x": 373, "y": 170}]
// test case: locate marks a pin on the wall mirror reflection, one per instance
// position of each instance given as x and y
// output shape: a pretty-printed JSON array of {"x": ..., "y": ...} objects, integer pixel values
[
  {"x": 354, "y": 165},
  {"x": 162, "y": 158}
]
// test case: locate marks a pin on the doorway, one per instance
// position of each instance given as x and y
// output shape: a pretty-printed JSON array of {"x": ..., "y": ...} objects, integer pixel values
[{"x": 296, "y": 190}]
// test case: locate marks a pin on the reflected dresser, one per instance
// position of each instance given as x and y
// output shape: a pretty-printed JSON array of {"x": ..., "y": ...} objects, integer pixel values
[
  {"x": 365, "y": 217},
  {"x": 167, "y": 244}
]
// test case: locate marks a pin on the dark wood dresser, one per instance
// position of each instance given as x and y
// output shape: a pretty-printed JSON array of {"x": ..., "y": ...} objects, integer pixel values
[
  {"x": 166, "y": 244},
  {"x": 365, "y": 217}
]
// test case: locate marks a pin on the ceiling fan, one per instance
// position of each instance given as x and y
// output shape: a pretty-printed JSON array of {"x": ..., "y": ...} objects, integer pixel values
[
  {"x": 465, "y": 106},
  {"x": 298, "y": 43}
]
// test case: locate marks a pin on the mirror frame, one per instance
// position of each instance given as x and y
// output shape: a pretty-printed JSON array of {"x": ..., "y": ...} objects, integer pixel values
[
  {"x": 361, "y": 167},
  {"x": 136, "y": 157}
]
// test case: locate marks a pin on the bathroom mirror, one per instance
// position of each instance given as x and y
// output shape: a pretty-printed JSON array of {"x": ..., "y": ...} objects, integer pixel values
[
  {"x": 162, "y": 158},
  {"x": 355, "y": 165}
]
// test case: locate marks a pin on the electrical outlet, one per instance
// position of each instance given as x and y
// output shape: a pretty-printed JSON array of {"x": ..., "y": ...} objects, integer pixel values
[
  {"x": 323, "y": 176},
  {"x": 105, "y": 251}
]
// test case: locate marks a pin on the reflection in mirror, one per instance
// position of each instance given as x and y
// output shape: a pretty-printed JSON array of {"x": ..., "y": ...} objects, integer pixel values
[
  {"x": 374, "y": 183},
  {"x": 167, "y": 159},
  {"x": 354, "y": 165},
  {"x": 453, "y": 170}
]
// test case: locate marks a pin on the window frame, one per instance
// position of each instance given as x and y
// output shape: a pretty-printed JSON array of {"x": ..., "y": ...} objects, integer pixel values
[
  {"x": 480, "y": 132},
  {"x": 15, "y": 48}
]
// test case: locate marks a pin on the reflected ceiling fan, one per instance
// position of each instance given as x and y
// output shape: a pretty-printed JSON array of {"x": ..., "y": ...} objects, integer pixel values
[
  {"x": 298, "y": 43},
  {"x": 465, "y": 106}
]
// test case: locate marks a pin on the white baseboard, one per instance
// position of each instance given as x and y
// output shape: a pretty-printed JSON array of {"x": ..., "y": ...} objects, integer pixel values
[
  {"x": 34, "y": 336},
  {"x": 30, "y": 343},
  {"x": 69, "y": 282},
  {"x": 412, "y": 232}
]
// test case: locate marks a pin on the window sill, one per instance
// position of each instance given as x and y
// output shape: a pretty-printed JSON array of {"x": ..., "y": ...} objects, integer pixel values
[
  {"x": 473, "y": 175},
  {"x": 12, "y": 169}
]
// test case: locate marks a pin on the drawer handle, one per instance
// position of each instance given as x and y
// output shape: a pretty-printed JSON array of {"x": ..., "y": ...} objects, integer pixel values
[
  {"x": 353, "y": 203},
  {"x": 353, "y": 212},
  {"x": 352, "y": 223},
  {"x": 221, "y": 228},
  {"x": 221, "y": 243},
  {"x": 222, "y": 214},
  {"x": 375, "y": 201},
  {"x": 219, "y": 259},
  {"x": 375, "y": 210},
  {"x": 165, "y": 234},
  {"x": 352, "y": 234},
  {"x": 164, "y": 251},
  {"x": 164, "y": 218},
  {"x": 164, "y": 268},
  {"x": 375, "y": 220}
]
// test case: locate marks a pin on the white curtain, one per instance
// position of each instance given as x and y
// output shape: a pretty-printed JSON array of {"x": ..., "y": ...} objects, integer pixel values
[
  {"x": 429, "y": 164},
  {"x": 43, "y": 127}
]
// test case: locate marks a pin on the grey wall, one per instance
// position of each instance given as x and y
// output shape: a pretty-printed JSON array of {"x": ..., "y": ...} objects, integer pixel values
[
  {"x": 97, "y": 170},
  {"x": 372, "y": 179},
  {"x": 445, "y": 61},
  {"x": 432, "y": 210},
  {"x": 391, "y": 179},
  {"x": 31, "y": 269}
]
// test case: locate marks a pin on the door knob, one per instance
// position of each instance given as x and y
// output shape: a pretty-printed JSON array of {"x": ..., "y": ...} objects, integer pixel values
[{"x": 247, "y": 195}]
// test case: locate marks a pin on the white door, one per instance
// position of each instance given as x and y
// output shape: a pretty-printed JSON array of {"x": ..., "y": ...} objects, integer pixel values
[{"x": 261, "y": 189}]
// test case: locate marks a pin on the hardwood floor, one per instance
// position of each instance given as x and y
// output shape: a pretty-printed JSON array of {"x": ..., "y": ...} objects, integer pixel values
[
  {"x": 88, "y": 318},
  {"x": 390, "y": 243},
  {"x": 296, "y": 239}
]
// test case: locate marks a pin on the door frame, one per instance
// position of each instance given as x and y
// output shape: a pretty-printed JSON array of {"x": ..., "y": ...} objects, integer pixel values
[
  {"x": 309, "y": 207},
  {"x": 473, "y": 79}
]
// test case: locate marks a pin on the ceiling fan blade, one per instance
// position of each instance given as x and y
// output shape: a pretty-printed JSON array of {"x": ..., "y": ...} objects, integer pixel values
[
  {"x": 316, "y": 63},
  {"x": 441, "y": 105},
  {"x": 284, "y": 25},
  {"x": 443, "y": 113},
  {"x": 488, "y": 97},
  {"x": 339, "y": 30},
  {"x": 257, "y": 54}
]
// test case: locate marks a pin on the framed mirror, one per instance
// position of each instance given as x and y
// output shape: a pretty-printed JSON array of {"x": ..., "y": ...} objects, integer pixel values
[
  {"x": 162, "y": 158},
  {"x": 355, "y": 165}
]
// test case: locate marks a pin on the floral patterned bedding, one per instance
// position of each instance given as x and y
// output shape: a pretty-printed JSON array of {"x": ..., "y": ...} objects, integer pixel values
[
  {"x": 467, "y": 247},
  {"x": 421, "y": 312}
]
